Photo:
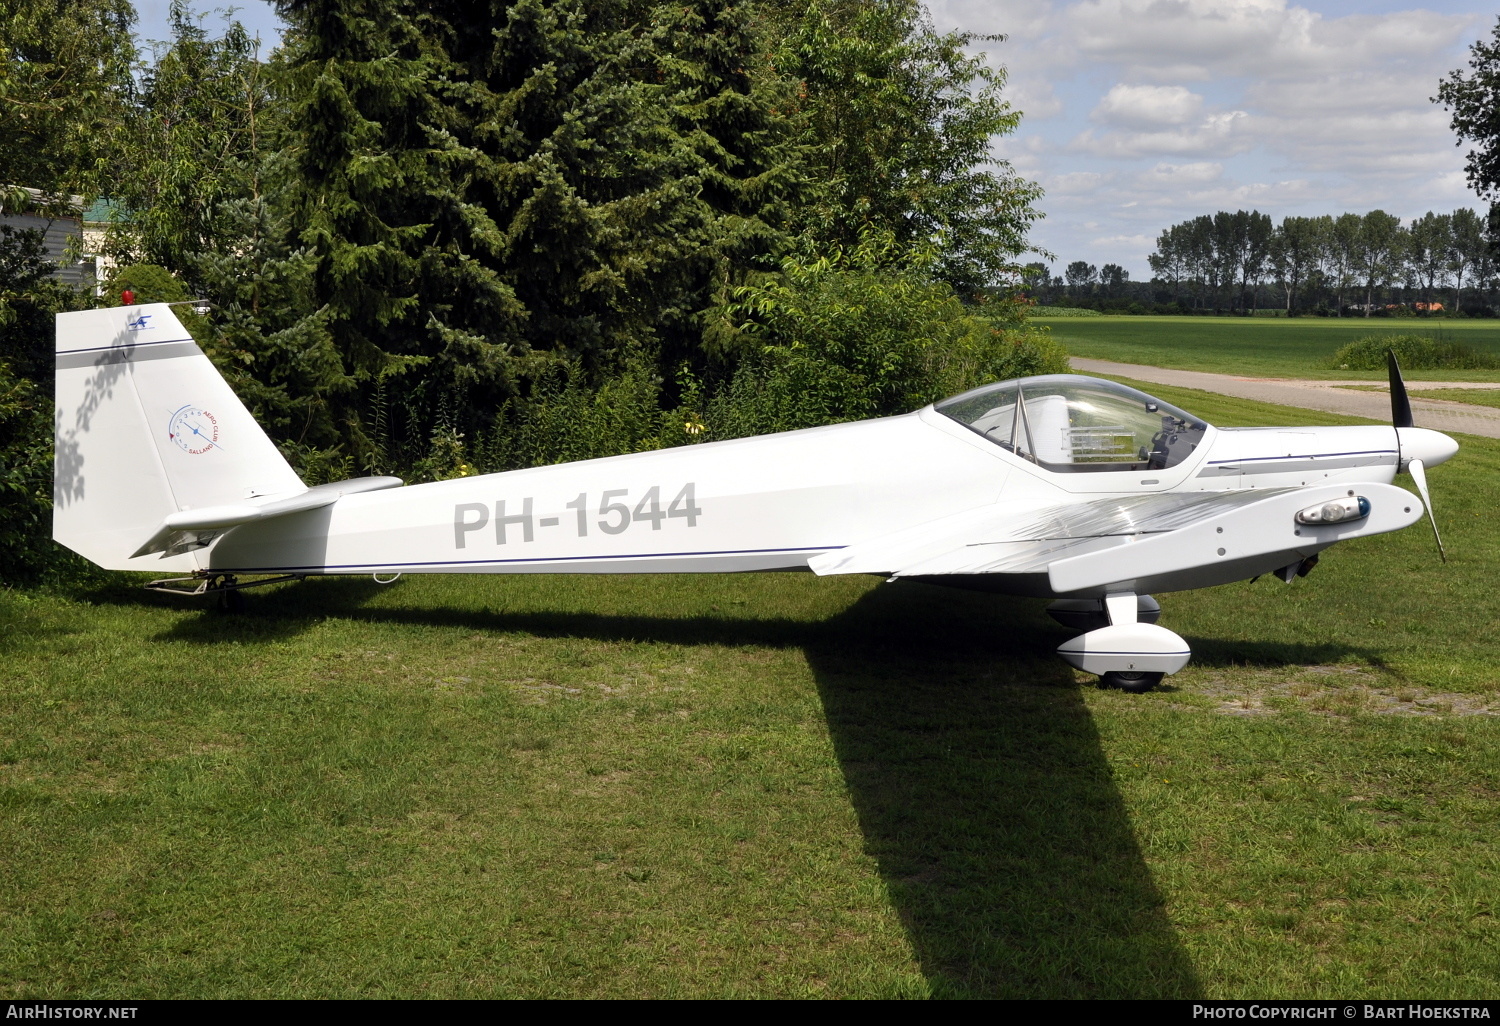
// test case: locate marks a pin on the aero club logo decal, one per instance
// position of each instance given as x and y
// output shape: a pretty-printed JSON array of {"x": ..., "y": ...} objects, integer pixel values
[{"x": 194, "y": 429}]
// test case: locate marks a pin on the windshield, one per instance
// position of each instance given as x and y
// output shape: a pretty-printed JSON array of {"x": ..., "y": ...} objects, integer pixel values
[{"x": 1072, "y": 423}]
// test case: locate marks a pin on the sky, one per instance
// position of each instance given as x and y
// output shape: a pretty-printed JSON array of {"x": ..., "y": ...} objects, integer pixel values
[{"x": 1138, "y": 114}]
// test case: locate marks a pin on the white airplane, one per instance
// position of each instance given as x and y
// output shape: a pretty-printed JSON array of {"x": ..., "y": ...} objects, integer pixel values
[{"x": 1063, "y": 487}]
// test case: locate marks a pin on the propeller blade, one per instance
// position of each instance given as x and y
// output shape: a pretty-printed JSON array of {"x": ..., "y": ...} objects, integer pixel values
[
  {"x": 1419, "y": 475},
  {"x": 1400, "y": 405}
]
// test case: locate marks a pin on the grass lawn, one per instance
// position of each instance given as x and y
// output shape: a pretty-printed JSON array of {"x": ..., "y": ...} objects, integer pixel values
[
  {"x": 1477, "y": 396},
  {"x": 760, "y": 785},
  {"x": 1260, "y": 346}
]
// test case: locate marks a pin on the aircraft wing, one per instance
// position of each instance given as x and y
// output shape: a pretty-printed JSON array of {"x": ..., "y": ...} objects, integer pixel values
[{"x": 1095, "y": 542}]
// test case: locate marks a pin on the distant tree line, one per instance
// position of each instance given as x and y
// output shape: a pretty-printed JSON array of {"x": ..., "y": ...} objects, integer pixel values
[{"x": 1347, "y": 265}]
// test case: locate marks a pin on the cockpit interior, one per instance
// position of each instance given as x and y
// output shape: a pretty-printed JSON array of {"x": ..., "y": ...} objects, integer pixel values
[{"x": 1069, "y": 423}]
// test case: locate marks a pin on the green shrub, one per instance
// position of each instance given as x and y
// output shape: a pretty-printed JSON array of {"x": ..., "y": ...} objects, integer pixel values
[
  {"x": 26, "y": 545},
  {"x": 854, "y": 336},
  {"x": 1070, "y": 311},
  {"x": 567, "y": 418},
  {"x": 149, "y": 283},
  {"x": 1416, "y": 352}
]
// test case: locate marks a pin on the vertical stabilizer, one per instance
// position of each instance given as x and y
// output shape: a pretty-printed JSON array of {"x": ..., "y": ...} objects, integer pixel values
[{"x": 146, "y": 427}]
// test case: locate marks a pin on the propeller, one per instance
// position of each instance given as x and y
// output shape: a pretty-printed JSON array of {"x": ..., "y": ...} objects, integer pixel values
[
  {"x": 1401, "y": 418},
  {"x": 1400, "y": 405}
]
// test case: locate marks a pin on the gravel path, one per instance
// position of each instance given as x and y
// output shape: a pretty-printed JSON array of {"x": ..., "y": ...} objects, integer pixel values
[{"x": 1439, "y": 414}]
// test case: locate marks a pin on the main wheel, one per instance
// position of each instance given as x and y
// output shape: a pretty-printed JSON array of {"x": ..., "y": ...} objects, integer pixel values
[{"x": 1134, "y": 681}]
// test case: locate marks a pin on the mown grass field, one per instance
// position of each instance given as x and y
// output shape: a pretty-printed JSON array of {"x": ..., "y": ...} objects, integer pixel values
[
  {"x": 760, "y": 785},
  {"x": 1299, "y": 347},
  {"x": 1474, "y": 396}
]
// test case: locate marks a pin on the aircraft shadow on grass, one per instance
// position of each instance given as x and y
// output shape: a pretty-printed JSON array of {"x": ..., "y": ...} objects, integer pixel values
[{"x": 972, "y": 761}]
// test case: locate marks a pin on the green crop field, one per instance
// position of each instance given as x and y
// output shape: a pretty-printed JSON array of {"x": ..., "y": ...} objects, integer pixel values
[
  {"x": 1262, "y": 346},
  {"x": 760, "y": 785}
]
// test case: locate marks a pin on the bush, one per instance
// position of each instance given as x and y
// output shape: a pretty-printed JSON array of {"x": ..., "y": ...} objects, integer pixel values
[
  {"x": 565, "y": 418},
  {"x": 1063, "y": 311},
  {"x": 1416, "y": 352},
  {"x": 855, "y": 335},
  {"x": 26, "y": 545}
]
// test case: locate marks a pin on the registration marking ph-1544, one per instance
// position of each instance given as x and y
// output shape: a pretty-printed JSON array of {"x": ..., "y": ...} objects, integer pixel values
[{"x": 616, "y": 516}]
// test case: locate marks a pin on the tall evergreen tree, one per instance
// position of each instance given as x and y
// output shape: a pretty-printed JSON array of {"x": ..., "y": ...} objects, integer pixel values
[
  {"x": 492, "y": 191},
  {"x": 731, "y": 106}
]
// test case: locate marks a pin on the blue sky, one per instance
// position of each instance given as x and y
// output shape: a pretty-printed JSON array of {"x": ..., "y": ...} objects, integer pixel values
[
  {"x": 256, "y": 15},
  {"x": 1141, "y": 113}
]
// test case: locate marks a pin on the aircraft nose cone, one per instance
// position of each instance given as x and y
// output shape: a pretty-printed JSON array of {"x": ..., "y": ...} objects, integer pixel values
[{"x": 1431, "y": 447}]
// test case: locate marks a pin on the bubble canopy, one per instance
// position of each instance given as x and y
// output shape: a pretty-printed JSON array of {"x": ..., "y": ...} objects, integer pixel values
[{"x": 1071, "y": 423}]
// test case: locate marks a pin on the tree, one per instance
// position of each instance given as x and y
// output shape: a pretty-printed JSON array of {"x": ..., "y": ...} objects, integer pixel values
[
  {"x": 1188, "y": 252},
  {"x": 490, "y": 192},
  {"x": 732, "y": 108},
  {"x": 1035, "y": 277},
  {"x": 1474, "y": 101},
  {"x": 1467, "y": 245},
  {"x": 1430, "y": 239},
  {"x": 64, "y": 83},
  {"x": 1081, "y": 276},
  {"x": 1252, "y": 236},
  {"x": 1344, "y": 254},
  {"x": 899, "y": 121},
  {"x": 1113, "y": 277},
  {"x": 1168, "y": 262},
  {"x": 204, "y": 124},
  {"x": 1381, "y": 247},
  {"x": 1296, "y": 251}
]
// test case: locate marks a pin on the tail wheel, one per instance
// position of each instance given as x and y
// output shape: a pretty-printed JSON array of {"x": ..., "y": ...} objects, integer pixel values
[
  {"x": 230, "y": 599},
  {"x": 1133, "y": 681}
]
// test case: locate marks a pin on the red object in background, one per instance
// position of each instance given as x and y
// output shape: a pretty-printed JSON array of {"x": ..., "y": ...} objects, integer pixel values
[{"x": 127, "y": 297}]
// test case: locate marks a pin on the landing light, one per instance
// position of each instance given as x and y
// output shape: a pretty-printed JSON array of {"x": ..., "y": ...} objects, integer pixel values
[{"x": 1336, "y": 512}]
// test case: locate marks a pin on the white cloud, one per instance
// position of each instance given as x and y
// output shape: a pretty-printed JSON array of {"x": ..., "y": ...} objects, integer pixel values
[
  {"x": 1147, "y": 106},
  {"x": 1215, "y": 135},
  {"x": 1142, "y": 242},
  {"x": 1261, "y": 38},
  {"x": 1179, "y": 175},
  {"x": 1074, "y": 183}
]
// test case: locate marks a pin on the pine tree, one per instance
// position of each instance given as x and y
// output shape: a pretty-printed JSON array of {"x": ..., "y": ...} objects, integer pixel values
[
  {"x": 733, "y": 108},
  {"x": 492, "y": 191},
  {"x": 373, "y": 188}
]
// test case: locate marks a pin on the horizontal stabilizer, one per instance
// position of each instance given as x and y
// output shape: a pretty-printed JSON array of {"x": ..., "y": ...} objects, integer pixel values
[{"x": 196, "y": 528}]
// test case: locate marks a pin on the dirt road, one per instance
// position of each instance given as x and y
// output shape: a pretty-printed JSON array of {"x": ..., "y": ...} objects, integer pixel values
[{"x": 1438, "y": 414}]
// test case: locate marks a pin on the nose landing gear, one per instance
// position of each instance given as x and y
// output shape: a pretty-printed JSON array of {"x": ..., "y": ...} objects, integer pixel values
[{"x": 1131, "y": 653}]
